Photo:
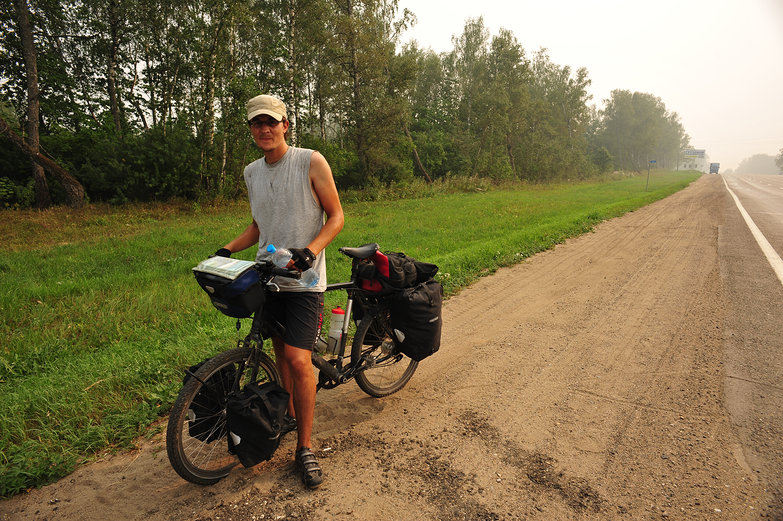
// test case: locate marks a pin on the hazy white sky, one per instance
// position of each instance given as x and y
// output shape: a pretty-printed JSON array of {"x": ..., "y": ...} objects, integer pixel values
[{"x": 717, "y": 63}]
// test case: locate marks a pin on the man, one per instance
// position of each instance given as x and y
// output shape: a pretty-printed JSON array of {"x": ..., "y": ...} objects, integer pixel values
[{"x": 290, "y": 190}]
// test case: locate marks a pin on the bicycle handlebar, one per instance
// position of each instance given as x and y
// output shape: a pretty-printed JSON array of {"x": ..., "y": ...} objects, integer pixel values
[{"x": 267, "y": 268}]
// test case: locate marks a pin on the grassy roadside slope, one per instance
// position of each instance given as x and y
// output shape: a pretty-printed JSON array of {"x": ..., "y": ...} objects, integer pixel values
[{"x": 99, "y": 312}]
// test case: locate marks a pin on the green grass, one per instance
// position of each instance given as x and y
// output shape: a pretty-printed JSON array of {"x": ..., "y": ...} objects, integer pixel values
[{"x": 99, "y": 312}]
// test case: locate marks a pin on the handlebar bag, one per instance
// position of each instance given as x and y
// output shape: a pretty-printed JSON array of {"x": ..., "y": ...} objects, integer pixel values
[
  {"x": 416, "y": 319},
  {"x": 255, "y": 418},
  {"x": 233, "y": 285}
]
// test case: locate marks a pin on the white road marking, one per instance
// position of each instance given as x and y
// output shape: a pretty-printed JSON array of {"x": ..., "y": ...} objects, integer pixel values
[{"x": 769, "y": 252}]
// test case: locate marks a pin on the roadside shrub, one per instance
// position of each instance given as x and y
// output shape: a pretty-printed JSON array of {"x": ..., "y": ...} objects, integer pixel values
[
  {"x": 7, "y": 191},
  {"x": 344, "y": 163},
  {"x": 16, "y": 196},
  {"x": 15, "y": 168},
  {"x": 602, "y": 159},
  {"x": 150, "y": 165}
]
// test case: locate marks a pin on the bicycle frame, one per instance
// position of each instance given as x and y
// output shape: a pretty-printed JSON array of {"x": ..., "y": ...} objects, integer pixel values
[
  {"x": 332, "y": 372},
  {"x": 335, "y": 372}
]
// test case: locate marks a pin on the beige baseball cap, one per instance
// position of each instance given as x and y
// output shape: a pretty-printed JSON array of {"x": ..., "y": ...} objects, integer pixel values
[{"x": 265, "y": 104}]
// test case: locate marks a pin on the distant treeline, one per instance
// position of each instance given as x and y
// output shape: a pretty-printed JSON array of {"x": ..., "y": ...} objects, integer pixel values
[
  {"x": 761, "y": 164},
  {"x": 144, "y": 99}
]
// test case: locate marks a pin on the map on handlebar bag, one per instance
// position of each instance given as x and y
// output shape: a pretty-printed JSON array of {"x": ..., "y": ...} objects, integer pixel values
[{"x": 224, "y": 267}]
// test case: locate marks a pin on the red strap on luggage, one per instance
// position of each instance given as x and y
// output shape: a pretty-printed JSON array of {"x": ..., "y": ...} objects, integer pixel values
[{"x": 381, "y": 262}]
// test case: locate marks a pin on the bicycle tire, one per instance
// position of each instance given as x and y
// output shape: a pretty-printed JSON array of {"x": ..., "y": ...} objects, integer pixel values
[
  {"x": 204, "y": 459},
  {"x": 384, "y": 371}
]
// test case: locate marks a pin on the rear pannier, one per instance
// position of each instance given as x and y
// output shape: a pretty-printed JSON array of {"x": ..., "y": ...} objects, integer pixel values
[
  {"x": 390, "y": 271},
  {"x": 416, "y": 319},
  {"x": 415, "y": 300}
]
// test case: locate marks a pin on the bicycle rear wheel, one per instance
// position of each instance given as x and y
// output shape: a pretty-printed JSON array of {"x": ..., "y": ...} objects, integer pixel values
[
  {"x": 383, "y": 370},
  {"x": 196, "y": 436}
]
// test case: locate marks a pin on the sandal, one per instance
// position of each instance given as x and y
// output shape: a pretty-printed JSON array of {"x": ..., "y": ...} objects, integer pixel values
[
  {"x": 308, "y": 466},
  {"x": 289, "y": 424}
]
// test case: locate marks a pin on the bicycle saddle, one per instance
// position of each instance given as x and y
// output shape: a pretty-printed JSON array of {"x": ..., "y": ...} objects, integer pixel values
[{"x": 361, "y": 252}]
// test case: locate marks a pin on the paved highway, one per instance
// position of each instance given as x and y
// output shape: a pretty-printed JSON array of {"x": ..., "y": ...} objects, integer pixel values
[{"x": 750, "y": 268}]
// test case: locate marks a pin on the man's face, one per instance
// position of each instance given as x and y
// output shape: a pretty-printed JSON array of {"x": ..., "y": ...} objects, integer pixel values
[{"x": 268, "y": 133}]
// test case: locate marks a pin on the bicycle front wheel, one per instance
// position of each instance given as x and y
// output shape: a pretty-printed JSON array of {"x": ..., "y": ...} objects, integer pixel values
[
  {"x": 196, "y": 435},
  {"x": 382, "y": 370}
]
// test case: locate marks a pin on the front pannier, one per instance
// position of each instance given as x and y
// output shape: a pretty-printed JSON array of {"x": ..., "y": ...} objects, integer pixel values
[
  {"x": 255, "y": 417},
  {"x": 232, "y": 285}
]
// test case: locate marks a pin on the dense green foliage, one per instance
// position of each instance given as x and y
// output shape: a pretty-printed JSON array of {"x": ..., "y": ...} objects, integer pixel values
[
  {"x": 636, "y": 128},
  {"x": 144, "y": 100},
  {"x": 99, "y": 313}
]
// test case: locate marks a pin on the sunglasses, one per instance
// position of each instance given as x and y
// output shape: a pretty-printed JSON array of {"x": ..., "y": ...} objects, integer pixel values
[{"x": 260, "y": 123}]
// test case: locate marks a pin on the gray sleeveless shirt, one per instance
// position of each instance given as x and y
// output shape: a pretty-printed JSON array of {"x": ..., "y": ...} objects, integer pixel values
[{"x": 285, "y": 209}]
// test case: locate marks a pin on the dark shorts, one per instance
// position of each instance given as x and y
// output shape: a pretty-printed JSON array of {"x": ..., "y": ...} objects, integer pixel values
[{"x": 301, "y": 313}]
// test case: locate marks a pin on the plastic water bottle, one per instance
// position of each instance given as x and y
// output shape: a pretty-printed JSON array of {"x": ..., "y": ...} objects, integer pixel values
[
  {"x": 335, "y": 330},
  {"x": 281, "y": 257}
]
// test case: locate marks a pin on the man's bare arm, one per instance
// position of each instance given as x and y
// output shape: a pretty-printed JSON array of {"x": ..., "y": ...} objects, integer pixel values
[
  {"x": 326, "y": 192},
  {"x": 244, "y": 240}
]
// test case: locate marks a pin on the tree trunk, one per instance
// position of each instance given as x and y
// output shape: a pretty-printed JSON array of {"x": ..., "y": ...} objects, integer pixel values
[
  {"x": 416, "y": 155},
  {"x": 293, "y": 100},
  {"x": 151, "y": 87},
  {"x": 361, "y": 139},
  {"x": 132, "y": 97},
  {"x": 510, "y": 152},
  {"x": 208, "y": 123},
  {"x": 74, "y": 191},
  {"x": 42, "y": 197},
  {"x": 111, "y": 75},
  {"x": 224, "y": 101},
  {"x": 168, "y": 96},
  {"x": 321, "y": 112}
]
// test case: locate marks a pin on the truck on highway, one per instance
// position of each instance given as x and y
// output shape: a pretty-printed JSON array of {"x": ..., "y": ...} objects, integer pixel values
[{"x": 714, "y": 168}]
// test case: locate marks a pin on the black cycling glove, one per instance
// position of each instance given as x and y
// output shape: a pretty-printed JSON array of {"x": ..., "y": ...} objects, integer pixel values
[
  {"x": 223, "y": 252},
  {"x": 303, "y": 258}
]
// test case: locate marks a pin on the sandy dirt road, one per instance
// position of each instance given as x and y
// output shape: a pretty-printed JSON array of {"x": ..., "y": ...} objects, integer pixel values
[{"x": 585, "y": 383}]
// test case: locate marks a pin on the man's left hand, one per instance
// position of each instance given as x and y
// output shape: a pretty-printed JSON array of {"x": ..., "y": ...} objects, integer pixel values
[{"x": 303, "y": 258}]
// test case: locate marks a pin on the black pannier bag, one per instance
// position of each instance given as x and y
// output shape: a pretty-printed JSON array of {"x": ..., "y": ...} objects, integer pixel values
[
  {"x": 255, "y": 417},
  {"x": 405, "y": 272},
  {"x": 415, "y": 300},
  {"x": 208, "y": 404},
  {"x": 391, "y": 270},
  {"x": 402, "y": 270},
  {"x": 416, "y": 319},
  {"x": 387, "y": 273},
  {"x": 232, "y": 285}
]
